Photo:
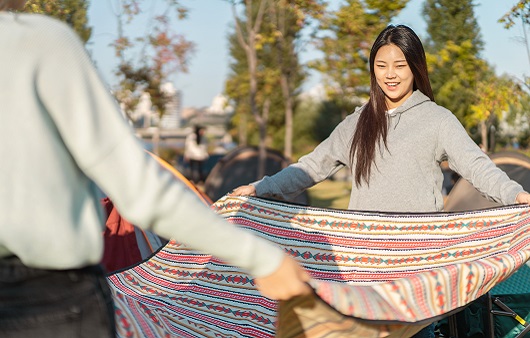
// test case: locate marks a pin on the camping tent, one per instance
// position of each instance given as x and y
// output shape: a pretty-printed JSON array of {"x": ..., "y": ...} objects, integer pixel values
[
  {"x": 464, "y": 196},
  {"x": 239, "y": 167},
  {"x": 514, "y": 291}
]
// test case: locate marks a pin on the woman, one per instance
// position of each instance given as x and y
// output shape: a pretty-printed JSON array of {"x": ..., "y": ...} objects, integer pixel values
[
  {"x": 58, "y": 113},
  {"x": 196, "y": 152},
  {"x": 394, "y": 144}
]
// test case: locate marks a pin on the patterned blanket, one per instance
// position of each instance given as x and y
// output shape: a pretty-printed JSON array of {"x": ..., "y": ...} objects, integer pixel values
[{"x": 375, "y": 274}]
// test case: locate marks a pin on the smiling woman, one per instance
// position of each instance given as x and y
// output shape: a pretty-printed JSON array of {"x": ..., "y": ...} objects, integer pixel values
[
  {"x": 395, "y": 156},
  {"x": 394, "y": 144},
  {"x": 393, "y": 75}
]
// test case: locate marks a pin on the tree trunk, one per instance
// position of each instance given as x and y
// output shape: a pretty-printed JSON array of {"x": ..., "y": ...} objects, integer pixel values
[
  {"x": 262, "y": 122},
  {"x": 249, "y": 45},
  {"x": 492, "y": 130},
  {"x": 484, "y": 135},
  {"x": 288, "y": 146},
  {"x": 283, "y": 62},
  {"x": 242, "y": 129}
]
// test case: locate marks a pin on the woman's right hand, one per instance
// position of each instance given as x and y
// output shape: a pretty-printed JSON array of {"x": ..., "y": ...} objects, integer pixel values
[
  {"x": 244, "y": 190},
  {"x": 288, "y": 281}
]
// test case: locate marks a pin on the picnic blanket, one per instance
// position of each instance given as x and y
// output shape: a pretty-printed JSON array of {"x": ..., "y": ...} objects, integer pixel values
[{"x": 374, "y": 274}]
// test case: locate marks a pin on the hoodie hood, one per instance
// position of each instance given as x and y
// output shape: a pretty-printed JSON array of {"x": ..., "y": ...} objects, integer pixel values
[{"x": 414, "y": 100}]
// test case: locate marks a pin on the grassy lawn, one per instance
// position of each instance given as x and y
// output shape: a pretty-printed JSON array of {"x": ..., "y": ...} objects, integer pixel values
[{"x": 330, "y": 194}]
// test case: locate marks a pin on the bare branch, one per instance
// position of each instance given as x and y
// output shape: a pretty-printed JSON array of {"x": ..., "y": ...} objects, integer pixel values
[
  {"x": 239, "y": 32},
  {"x": 261, "y": 12}
]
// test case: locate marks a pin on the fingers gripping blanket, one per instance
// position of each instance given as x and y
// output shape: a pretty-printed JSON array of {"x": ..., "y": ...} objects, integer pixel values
[{"x": 374, "y": 274}]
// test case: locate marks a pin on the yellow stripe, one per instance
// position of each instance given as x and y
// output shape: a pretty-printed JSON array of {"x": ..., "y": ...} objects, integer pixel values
[{"x": 520, "y": 320}]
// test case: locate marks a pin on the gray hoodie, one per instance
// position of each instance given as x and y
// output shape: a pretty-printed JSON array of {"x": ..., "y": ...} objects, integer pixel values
[{"x": 407, "y": 176}]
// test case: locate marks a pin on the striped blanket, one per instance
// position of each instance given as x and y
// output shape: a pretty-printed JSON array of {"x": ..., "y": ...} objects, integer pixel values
[{"x": 375, "y": 274}]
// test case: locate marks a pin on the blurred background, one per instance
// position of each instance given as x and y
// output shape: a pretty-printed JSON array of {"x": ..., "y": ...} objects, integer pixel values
[{"x": 269, "y": 80}]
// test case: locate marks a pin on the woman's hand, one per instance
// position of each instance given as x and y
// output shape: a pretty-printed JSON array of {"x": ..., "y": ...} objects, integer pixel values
[
  {"x": 244, "y": 190},
  {"x": 287, "y": 281},
  {"x": 523, "y": 197}
]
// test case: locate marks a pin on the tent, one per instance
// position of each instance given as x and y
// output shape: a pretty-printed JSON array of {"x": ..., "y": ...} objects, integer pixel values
[
  {"x": 463, "y": 196},
  {"x": 478, "y": 319},
  {"x": 239, "y": 167}
]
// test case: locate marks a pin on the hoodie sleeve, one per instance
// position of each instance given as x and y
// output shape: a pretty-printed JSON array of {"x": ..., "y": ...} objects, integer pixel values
[
  {"x": 326, "y": 159},
  {"x": 105, "y": 149},
  {"x": 468, "y": 160}
]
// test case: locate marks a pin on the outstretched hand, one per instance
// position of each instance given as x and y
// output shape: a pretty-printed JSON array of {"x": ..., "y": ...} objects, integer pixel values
[
  {"x": 287, "y": 281},
  {"x": 244, "y": 190},
  {"x": 523, "y": 197}
]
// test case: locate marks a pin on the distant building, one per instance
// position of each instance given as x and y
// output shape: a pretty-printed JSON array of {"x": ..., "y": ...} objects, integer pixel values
[
  {"x": 144, "y": 116},
  {"x": 142, "y": 113},
  {"x": 178, "y": 122},
  {"x": 217, "y": 115},
  {"x": 220, "y": 106},
  {"x": 172, "y": 118}
]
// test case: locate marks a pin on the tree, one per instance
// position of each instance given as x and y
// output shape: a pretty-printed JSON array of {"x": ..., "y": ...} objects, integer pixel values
[
  {"x": 288, "y": 19},
  {"x": 346, "y": 37},
  {"x": 247, "y": 32},
  {"x": 278, "y": 72},
  {"x": 147, "y": 62},
  {"x": 520, "y": 10},
  {"x": 73, "y": 12},
  {"x": 495, "y": 97},
  {"x": 314, "y": 122},
  {"x": 451, "y": 21},
  {"x": 453, "y": 53},
  {"x": 455, "y": 73}
]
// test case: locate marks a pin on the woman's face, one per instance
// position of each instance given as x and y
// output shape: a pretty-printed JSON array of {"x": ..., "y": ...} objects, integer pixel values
[{"x": 393, "y": 75}]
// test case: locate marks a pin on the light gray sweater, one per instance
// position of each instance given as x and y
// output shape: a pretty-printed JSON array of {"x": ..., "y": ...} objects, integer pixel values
[
  {"x": 407, "y": 177},
  {"x": 63, "y": 135}
]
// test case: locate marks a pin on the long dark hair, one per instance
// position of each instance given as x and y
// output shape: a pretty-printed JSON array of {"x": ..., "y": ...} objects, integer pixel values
[
  {"x": 372, "y": 127},
  {"x": 198, "y": 135}
]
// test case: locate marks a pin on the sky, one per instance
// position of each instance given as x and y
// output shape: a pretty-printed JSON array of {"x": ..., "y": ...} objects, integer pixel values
[{"x": 209, "y": 23}]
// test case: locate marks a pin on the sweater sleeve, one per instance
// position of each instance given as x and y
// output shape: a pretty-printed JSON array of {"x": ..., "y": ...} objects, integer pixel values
[
  {"x": 102, "y": 144},
  {"x": 468, "y": 160},
  {"x": 325, "y": 160}
]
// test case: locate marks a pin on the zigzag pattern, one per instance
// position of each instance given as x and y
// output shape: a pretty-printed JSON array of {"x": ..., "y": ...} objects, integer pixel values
[{"x": 392, "y": 269}]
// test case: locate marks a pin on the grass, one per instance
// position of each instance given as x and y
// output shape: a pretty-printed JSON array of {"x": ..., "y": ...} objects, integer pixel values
[{"x": 330, "y": 194}]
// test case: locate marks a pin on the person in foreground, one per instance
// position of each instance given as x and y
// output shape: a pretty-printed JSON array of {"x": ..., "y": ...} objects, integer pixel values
[
  {"x": 64, "y": 138},
  {"x": 394, "y": 144}
]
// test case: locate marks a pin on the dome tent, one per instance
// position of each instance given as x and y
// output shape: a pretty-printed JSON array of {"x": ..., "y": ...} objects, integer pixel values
[
  {"x": 514, "y": 292},
  {"x": 464, "y": 196},
  {"x": 239, "y": 167}
]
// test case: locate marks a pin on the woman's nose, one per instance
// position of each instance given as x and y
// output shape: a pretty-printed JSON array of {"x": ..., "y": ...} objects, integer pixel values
[{"x": 390, "y": 74}]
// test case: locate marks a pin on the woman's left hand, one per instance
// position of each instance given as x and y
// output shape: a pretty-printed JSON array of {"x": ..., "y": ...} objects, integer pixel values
[{"x": 523, "y": 197}]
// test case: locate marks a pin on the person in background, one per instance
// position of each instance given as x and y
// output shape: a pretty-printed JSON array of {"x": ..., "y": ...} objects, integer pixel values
[
  {"x": 394, "y": 144},
  {"x": 196, "y": 153},
  {"x": 64, "y": 139}
]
